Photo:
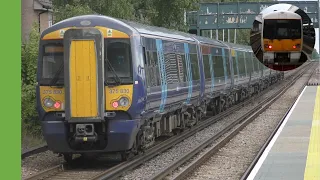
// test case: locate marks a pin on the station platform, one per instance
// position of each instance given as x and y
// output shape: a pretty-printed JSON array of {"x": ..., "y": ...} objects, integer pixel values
[{"x": 294, "y": 151}]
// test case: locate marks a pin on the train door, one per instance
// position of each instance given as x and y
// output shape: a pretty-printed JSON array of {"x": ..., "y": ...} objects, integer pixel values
[
  {"x": 235, "y": 69},
  {"x": 84, "y": 79},
  {"x": 227, "y": 66}
]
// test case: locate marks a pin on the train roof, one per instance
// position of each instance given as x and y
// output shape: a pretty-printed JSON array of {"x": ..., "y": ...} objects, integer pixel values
[
  {"x": 159, "y": 31},
  {"x": 206, "y": 40},
  {"x": 130, "y": 28},
  {"x": 239, "y": 47},
  {"x": 95, "y": 20},
  {"x": 279, "y": 7},
  {"x": 275, "y": 15}
]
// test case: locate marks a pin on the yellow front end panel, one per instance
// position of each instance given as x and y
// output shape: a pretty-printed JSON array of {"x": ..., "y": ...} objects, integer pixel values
[
  {"x": 83, "y": 79},
  {"x": 56, "y": 94},
  {"x": 283, "y": 45},
  {"x": 114, "y": 94}
]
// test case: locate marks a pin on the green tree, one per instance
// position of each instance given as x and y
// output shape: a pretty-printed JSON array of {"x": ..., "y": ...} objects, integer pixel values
[
  {"x": 115, "y": 8},
  {"x": 144, "y": 11},
  {"x": 29, "y": 56},
  {"x": 167, "y": 13},
  {"x": 170, "y": 13},
  {"x": 64, "y": 11}
]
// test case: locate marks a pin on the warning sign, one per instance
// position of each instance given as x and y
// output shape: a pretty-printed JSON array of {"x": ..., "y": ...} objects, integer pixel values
[
  {"x": 62, "y": 33},
  {"x": 109, "y": 33},
  {"x": 233, "y": 52}
]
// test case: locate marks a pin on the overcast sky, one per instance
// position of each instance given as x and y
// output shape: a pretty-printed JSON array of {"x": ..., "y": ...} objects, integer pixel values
[{"x": 316, "y": 46}]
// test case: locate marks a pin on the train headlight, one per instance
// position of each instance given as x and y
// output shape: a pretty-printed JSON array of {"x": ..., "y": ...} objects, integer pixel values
[
  {"x": 115, "y": 104},
  {"x": 267, "y": 46},
  {"x": 48, "y": 102},
  {"x": 124, "y": 101},
  {"x": 57, "y": 105}
]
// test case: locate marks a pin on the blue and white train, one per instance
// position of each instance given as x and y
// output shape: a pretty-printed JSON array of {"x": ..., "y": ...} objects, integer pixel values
[{"x": 110, "y": 85}]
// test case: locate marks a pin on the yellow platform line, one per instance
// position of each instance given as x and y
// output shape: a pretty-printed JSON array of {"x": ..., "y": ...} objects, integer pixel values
[{"x": 312, "y": 170}]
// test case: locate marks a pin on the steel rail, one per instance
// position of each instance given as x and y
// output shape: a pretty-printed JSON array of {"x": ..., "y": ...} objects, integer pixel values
[{"x": 34, "y": 150}]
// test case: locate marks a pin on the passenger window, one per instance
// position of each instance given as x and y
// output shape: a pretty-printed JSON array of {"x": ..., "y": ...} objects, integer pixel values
[
  {"x": 194, "y": 67},
  {"x": 218, "y": 66}
]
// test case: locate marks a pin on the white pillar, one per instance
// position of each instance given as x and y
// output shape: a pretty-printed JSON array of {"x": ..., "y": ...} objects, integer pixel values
[
  {"x": 223, "y": 35},
  {"x": 235, "y": 36},
  {"x": 217, "y": 34}
]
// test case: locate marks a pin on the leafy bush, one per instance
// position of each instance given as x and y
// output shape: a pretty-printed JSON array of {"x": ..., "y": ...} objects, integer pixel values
[{"x": 29, "y": 55}]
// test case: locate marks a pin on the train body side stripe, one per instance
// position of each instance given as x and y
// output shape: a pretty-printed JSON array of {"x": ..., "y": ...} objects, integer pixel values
[
  {"x": 162, "y": 70},
  {"x": 212, "y": 72},
  {"x": 189, "y": 71},
  {"x": 225, "y": 66}
]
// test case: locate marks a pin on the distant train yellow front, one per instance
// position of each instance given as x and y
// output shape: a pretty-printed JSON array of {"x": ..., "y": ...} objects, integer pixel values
[{"x": 283, "y": 45}]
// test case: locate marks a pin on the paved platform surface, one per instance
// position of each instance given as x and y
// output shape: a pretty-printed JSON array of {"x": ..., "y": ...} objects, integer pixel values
[{"x": 294, "y": 151}]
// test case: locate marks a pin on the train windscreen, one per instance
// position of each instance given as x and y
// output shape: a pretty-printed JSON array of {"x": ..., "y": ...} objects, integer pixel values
[
  {"x": 282, "y": 29},
  {"x": 52, "y": 62},
  {"x": 118, "y": 60}
]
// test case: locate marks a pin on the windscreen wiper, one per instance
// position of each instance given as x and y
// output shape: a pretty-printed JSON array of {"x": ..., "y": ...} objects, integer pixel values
[
  {"x": 56, "y": 76},
  {"x": 116, "y": 77}
]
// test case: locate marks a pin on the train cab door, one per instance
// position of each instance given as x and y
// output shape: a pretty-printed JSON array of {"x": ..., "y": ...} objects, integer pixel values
[{"x": 84, "y": 75}]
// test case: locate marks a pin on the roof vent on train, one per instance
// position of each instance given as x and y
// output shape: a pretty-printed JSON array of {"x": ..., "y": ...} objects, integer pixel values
[{"x": 85, "y": 23}]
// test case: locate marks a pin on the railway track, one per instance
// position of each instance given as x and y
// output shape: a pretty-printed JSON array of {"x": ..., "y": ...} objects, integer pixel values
[
  {"x": 224, "y": 136},
  {"x": 33, "y": 151},
  {"x": 114, "y": 170}
]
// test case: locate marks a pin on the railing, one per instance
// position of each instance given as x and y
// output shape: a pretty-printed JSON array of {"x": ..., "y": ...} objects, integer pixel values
[{"x": 192, "y": 18}]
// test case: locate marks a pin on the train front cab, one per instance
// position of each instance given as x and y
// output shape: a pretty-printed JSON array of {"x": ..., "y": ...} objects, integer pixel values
[
  {"x": 83, "y": 105},
  {"x": 282, "y": 37}
]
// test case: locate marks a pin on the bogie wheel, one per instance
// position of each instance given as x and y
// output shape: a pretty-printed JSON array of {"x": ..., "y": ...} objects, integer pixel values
[
  {"x": 125, "y": 156},
  {"x": 68, "y": 157},
  {"x": 198, "y": 117}
]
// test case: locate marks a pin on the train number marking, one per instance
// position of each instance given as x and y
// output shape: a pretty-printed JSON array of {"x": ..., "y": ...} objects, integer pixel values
[
  {"x": 122, "y": 91},
  {"x": 52, "y": 92}
]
